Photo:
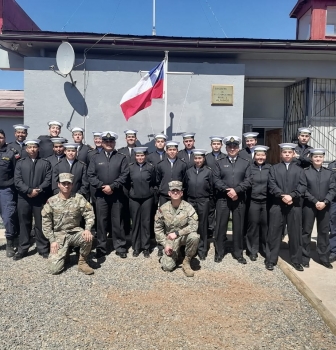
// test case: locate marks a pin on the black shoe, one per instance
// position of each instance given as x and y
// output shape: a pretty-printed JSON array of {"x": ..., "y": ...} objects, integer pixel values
[
  {"x": 10, "y": 248},
  {"x": 136, "y": 253},
  {"x": 99, "y": 254},
  {"x": 305, "y": 265},
  {"x": 146, "y": 253},
  {"x": 218, "y": 258},
  {"x": 297, "y": 267},
  {"x": 123, "y": 255},
  {"x": 327, "y": 265},
  {"x": 253, "y": 257},
  {"x": 19, "y": 256},
  {"x": 269, "y": 266},
  {"x": 332, "y": 258},
  {"x": 242, "y": 260},
  {"x": 201, "y": 256},
  {"x": 160, "y": 252}
]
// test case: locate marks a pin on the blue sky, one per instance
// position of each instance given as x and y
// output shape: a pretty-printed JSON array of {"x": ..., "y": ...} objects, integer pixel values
[{"x": 267, "y": 19}]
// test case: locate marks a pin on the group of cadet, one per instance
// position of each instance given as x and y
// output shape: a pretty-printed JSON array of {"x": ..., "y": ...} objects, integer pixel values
[{"x": 179, "y": 197}]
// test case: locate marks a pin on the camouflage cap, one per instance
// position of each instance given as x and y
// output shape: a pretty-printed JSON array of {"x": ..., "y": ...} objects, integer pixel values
[
  {"x": 175, "y": 185},
  {"x": 65, "y": 177}
]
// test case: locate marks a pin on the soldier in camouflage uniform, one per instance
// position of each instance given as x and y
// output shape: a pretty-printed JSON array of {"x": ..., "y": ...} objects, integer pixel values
[
  {"x": 176, "y": 224},
  {"x": 61, "y": 217}
]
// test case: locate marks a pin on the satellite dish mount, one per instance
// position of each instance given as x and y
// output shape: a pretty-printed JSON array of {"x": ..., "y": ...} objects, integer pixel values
[{"x": 65, "y": 59}]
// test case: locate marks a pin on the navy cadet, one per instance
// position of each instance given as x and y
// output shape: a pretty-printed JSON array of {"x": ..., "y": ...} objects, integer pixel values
[
  {"x": 141, "y": 197},
  {"x": 321, "y": 190},
  {"x": 108, "y": 172},
  {"x": 159, "y": 153},
  {"x": 20, "y": 134},
  {"x": 186, "y": 154},
  {"x": 82, "y": 150},
  {"x": 46, "y": 145},
  {"x": 176, "y": 225},
  {"x": 258, "y": 211},
  {"x": 198, "y": 184},
  {"x": 232, "y": 178},
  {"x": 7, "y": 192},
  {"x": 302, "y": 149},
  {"x": 32, "y": 179},
  {"x": 70, "y": 164},
  {"x": 250, "y": 141},
  {"x": 97, "y": 140},
  {"x": 332, "y": 236},
  {"x": 58, "y": 148},
  {"x": 287, "y": 184},
  {"x": 216, "y": 143},
  {"x": 61, "y": 218}
]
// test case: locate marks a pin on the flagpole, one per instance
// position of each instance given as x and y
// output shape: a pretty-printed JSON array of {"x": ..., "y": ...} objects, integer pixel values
[{"x": 165, "y": 86}]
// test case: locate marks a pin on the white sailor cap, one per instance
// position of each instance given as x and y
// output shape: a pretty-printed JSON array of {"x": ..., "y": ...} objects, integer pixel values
[
  {"x": 55, "y": 122},
  {"x": 58, "y": 140},
  {"x": 232, "y": 139},
  {"x": 97, "y": 133},
  {"x": 216, "y": 138},
  {"x": 304, "y": 131},
  {"x": 130, "y": 131},
  {"x": 20, "y": 127},
  {"x": 71, "y": 145},
  {"x": 140, "y": 149},
  {"x": 317, "y": 151},
  {"x": 259, "y": 148},
  {"x": 109, "y": 135},
  {"x": 161, "y": 136},
  {"x": 32, "y": 142},
  {"x": 76, "y": 128},
  {"x": 287, "y": 145},
  {"x": 188, "y": 135},
  {"x": 199, "y": 152},
  {"x": 172, "y": 144},
  {"x": 250, "y": 134}
]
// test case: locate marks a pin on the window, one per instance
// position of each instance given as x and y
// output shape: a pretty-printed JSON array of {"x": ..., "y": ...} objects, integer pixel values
[
  {"x": 331, "y": 20},
  {"x": 304, "y": 26}
]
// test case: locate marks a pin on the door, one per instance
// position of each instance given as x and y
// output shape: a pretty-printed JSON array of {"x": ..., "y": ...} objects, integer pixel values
[{"x": 272, "y": 140}]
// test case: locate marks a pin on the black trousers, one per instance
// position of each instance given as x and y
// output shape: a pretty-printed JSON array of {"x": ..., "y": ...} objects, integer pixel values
[
  {"x": 332, "y": 237},
  {"x": 223, "y": 208},
  {"x": 212, "y": 214},
  {"x": 257, "y": 227},
  {"x": 201, "y": 206},
  {"x": 125, "y": 211},
  {"x": 322, "y": 221},
  {"x": 153, "y": 212},
  {"x": 141, "y": 210},
  {"x": 281, "y": 214},
  {"x": 110, "y": 207},
  {"x": 247, "y": 209},
  {"x": 27, "y": 208}
]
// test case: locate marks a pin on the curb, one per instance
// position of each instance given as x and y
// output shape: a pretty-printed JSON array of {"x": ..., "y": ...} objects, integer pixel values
[{"x": 315, "y": 302}]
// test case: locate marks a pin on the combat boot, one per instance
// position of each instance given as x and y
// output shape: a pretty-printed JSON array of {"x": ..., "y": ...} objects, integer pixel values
[
  {"x": 83, "y": 266},
  {"x": 10, "y": 248},
  {"x": 186, "y": 267}
]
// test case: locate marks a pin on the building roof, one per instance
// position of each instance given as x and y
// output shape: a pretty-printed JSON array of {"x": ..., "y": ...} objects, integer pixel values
[
  {"x": 297, "y": 8},
  {"x": 11, "y": 100}
]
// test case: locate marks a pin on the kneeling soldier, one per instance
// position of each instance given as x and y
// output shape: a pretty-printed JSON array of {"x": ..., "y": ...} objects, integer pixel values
[
  {"x": 176, "y": 225},
  {"x": 61, "y": 217}
]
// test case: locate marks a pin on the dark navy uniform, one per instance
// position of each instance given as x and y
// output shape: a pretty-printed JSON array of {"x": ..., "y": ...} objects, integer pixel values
[
  {"x": 167, "y": 172},
  {"x": 236, "y": 175},
  {"x": 141, "y": 197},
  {"x": 55, "y": 159},
  {"x": 156, "y": 157},
  {"x": 198, "y": 184},
  {"x": 246, "y": 154},
  {"x": 304, "y": 160},
  {"x": 129, "y": 155},
  {"x": 112, "y": 171},
  {"x": 7, "y": 190},
  {"x": 30, "y": 175},
  {"x": 280, "y": 182},
  {"x": 321, "y": 187},
  {"x": 82, "y": 153},
  {"x": 80, "y": 183},
  {"x": 21, "y": 148},
  {"x": 332, "y": 237},
  {"x": 258, "y": 210},
  {"x": 46, "y": 148},
  {"x": 187, "y": 157}
]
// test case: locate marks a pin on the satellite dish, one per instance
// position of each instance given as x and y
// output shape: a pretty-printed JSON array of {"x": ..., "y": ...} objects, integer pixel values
[{"x": 65, "y": 58}]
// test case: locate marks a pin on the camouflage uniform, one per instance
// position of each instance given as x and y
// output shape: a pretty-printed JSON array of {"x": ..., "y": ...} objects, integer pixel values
[
  {"x": 61, "y": 223},
  {"x": 184, "y": 220}
]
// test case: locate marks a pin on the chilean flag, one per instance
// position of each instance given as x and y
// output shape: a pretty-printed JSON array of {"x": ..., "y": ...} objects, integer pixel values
[{"x": 140, "y": 96}]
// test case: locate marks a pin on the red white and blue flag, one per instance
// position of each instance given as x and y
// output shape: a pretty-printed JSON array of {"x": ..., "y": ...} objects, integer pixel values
[{"x": 141, "y": 95}]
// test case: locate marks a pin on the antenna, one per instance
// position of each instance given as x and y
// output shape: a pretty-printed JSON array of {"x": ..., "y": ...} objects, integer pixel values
[
  {"x": 154, "y": 29},
  {"x": 65, "y": 59}
]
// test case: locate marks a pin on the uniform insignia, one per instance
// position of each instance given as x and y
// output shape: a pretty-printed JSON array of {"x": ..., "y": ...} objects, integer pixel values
[
  {"x": 232, "y": 139},
  {"x": 226, "y": 166},
  {"x": 5, "y": 158},
  {"x": 17, "y": 156},
  {"x": 100, "y": 163},
  {"x": 108, "y": 135}
]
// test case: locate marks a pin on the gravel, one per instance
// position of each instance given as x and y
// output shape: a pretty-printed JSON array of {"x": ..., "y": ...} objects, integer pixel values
[{"x": 132, "y": 304}]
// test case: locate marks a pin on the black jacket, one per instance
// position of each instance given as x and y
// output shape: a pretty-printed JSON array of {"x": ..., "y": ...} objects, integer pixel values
[
  {"x": 259, "y": 181},
  {"x": 125, "y": 152},
  {"x": 93, "y": 152},
  {"x": 282, "y": 181},
  {"x": 80, "y": 182},
  {"x": 165, "y": 173},
  {"x": 142, "y": 181},
  {"x": 321, "y": 185},
  {"x": 154, "y": 157},
  {"x": 7, "y": 166},
  {"x": 46, "y": 146},
  {"x": 211, "y": 159},
  {"x": 21, "y": 150},
  {"x": 82, "y": 153},
  {"x": 227, "y": 175},
  {"x": 246, "y": 154},
  {"x": 55, "y": 160},
  {"x": 198, "y": 183},
  {"x": 29, "y": 175},
  {"x": 183, "y": 155},
  {"x": 304, "y": 160},
  {"x": 111, "y": 171}
]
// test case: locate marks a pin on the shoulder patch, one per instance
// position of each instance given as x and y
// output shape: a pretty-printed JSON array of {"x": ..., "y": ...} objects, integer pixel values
[
  {"x": 206, "y": 166},
  {"x": 80, "y": 161},
  {"x": 131, "y": 163},
  {"x": 182, "y": 159}
]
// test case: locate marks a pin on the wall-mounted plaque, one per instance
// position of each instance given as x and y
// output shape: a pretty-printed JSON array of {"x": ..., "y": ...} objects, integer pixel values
[{"x": 221, "y": 95}]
